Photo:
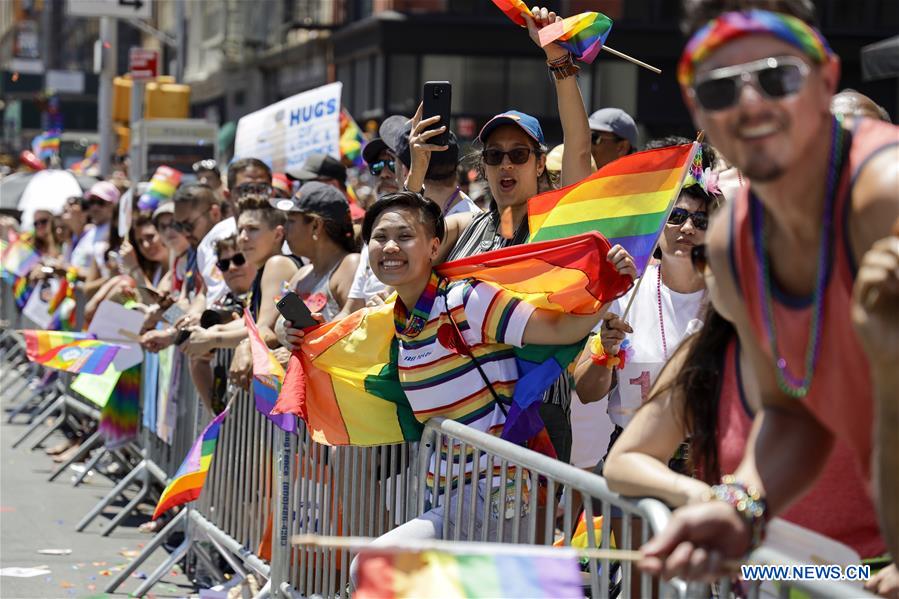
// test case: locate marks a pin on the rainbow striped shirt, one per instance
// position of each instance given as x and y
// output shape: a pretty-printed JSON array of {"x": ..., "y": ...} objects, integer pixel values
[{"x": 440, "y": 382}]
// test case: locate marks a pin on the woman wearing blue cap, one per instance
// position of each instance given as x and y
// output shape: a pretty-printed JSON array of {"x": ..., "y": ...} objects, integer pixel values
[{"x": 513, "y": 161}]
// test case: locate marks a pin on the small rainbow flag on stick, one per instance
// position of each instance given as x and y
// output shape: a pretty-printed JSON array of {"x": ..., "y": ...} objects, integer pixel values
[
  {"x": 628, "y": 201},
  {"x": 583, "y": 35},
  {"x": 72, "y": 352},
  {"x": 162, "y": 187},
  {"x": 351, "y": 138},
  {"x": 494, "y": 574},
  {"x": 187, "y": 484},
  {"x": 268, "y": 376},
  {"x": 20, "y": 257}
]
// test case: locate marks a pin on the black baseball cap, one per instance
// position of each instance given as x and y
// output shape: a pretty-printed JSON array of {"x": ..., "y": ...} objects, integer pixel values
[
  {"x": 373, "y": 149},
  {"x": 317, "y": 198},
  {"x": 320, "y": 165}
]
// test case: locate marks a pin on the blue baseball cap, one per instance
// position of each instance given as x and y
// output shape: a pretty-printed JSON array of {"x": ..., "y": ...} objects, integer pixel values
[{"x": 526, "y": 122}]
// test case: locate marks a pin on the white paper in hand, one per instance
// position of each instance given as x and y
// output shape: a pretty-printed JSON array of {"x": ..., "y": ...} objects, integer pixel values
[{"x": 115, "y": 322}]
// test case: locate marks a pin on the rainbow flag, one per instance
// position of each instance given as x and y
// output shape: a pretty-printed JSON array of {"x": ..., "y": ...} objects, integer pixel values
[
  {"x": 627, "y": 200},
  {"x": 162, "y": 187},
  {"x": 580, "y": 538},
  {"x": 120, "y": 415},
  {"x": 583, "y": 35},
  {"x": 21, "y": 291},
  {"x": 65, "y": 290},
  {"x": 351, "y": 139},
  {"x": 90, "y": 159},
  {"x": 439, "y": 574},
  {"x": 72, "y": 352},
  {"x": 20, "y": 257},
  {"x": 46, "y": 144},
  {"x": 187, "y": 484},
  {"x": 268, "y": 376},
  {"x": 344, "y": 381}
]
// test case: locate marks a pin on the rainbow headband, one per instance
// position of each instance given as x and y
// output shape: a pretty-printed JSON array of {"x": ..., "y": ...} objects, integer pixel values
[{"x": 733, "y": 25}]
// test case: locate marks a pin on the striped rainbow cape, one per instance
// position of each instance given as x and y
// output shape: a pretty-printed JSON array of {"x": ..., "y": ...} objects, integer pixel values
[{"x": 344, "y": 381}]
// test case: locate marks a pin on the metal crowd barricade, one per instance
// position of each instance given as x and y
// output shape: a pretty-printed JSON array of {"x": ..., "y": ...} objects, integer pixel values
[{"x": 335, "y": 491}]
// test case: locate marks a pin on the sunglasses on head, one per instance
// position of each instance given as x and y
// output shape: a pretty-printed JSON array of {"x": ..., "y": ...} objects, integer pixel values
[
  {"x": 225, "y": 263},
  {"x": 375, "y": 168},
  {"x": 775, "y": 78},
  {"x": 679, "y": 216},
  {"x": 698, "y": 258},
  {"x": 494, "y": 156}
]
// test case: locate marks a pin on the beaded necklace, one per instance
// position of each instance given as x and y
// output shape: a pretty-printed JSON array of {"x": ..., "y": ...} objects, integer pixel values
[
  {"x": 662, "y": 316},
  {"x": 410, "y": 325},
  {"x": 789, "y": 383}
]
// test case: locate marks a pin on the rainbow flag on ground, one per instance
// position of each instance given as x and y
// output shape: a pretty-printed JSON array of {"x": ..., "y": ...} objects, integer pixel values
[
  {"x": 583, "y": 35},
  {"x": 351, "y": 139},
  {"x": 344, "y": 381},
  {"x": 268, "y": 376},
  {"x": 187, "y": 484},
  {"x": 72, "y": 352},
  {"x": 628, "y": 201},
  {"x": 431, "y": 574}
]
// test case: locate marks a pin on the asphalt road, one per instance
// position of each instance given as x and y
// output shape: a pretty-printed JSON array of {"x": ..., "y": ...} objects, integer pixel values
[{"x": 38, "y": 515}]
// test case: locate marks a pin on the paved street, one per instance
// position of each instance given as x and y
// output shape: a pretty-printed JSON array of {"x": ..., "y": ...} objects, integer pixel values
[{"x": 36, "y": 515}]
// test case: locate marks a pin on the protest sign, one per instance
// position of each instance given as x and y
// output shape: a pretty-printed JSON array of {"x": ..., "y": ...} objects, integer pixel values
[
  {"x": 37, "y": 307},
  {"x": 284, "y": 134},
  {"x": 115, "y": 322}
]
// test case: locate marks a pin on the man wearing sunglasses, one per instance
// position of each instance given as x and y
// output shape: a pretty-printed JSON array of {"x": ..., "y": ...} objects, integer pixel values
[
  {"x": 382, "y": 165},
  {"x": 823, "y": 192},
  {"x": 613, "y": 134},
  {"x": 245, "y": 177}
]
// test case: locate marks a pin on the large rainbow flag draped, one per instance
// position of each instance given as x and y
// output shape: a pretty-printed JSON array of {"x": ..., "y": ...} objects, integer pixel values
[
  {"x": 344, "y": 381},
  {"x": 627, "y": 200},
  {"x": 69, "y": 351},
  {"x": 583, "y": 35},
  {"x": 432, "y": 574},
  {"x": 351, "y": 139},
  {"x": 268, "y": 376},
  {"x": 187, "y": 484}
]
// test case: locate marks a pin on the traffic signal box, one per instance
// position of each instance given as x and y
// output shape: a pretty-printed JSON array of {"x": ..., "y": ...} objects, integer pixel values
[{"x": 163, "y": 99}]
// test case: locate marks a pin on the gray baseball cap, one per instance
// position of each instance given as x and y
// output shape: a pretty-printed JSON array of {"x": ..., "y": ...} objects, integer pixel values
[
  {"x": 392, "y": 129},
  {"x": 617, "y": 121}
]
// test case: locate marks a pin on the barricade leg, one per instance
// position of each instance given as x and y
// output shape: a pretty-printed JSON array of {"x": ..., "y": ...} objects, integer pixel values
[
  {"x": 56, "y": 404},
  {"x": 89, "y": 466},
  {"x": 152, "y": 546},
  {"x": 140, "y": 496},
  {"x": 16, "y": 370},
  {"x": 60, "y": 421},
  {"x": 167, "y": 565},
  {"x": 111, "y": 496},
  {"x": 25, "y": 404},
  {"x": 86, "y": 446}
]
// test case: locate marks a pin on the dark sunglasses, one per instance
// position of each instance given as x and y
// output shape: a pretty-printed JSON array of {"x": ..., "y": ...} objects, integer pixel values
[
  {"x": 679, "y": 216},
  {"x": 775, "y": 78},
  {"x": 186, "y": 227},
  {"x": 94, "y": 202},
  {"x": 596, "y": 137},
  {"x": 255, "y": 188},
  {"x": 225, "y": 263},
  {"x": 494, "y": 157},
  {"x": 698, "y": 258},
  {"x": 375, "y": 168},
  {"x": 41, "y": 222}
]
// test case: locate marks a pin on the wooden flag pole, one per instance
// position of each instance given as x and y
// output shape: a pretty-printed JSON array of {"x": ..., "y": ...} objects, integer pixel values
[
  {"x": 463, "y": 547},
  {"x": 639, "y": 63}
]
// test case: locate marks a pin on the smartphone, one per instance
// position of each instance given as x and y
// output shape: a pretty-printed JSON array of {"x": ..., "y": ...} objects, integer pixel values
[
  {"x": 173, "y": 314},
  {"x": 295, "y": 311},
  {"x": 437, "y": 97}
]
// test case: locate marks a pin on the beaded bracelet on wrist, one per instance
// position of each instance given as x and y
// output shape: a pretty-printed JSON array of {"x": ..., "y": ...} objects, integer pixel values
[{"x": 747, "y": 501}]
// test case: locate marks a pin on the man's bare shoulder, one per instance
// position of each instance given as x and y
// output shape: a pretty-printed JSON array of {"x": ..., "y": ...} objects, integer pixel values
[{"x": 875, "y": 199}]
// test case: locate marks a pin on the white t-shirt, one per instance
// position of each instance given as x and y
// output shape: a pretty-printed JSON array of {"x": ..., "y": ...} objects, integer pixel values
[
  {"x": 83, "y": 253},
  {"x": 206, "y": 259},
  {"x": 366, "y": 285},
  {"x": 97, "y": 242},
  {"x": 681, "y": 313}
]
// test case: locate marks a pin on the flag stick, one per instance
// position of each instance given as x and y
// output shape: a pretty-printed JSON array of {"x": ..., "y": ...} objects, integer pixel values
[
  {"x": 463, "y": 547},
  {"x": 639, "y": 63}
]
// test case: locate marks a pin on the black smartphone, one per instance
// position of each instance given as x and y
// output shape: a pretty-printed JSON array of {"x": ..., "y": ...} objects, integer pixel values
[
  {"x": 295, "y": 311},
  {"x": 437, "y": 97}
]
